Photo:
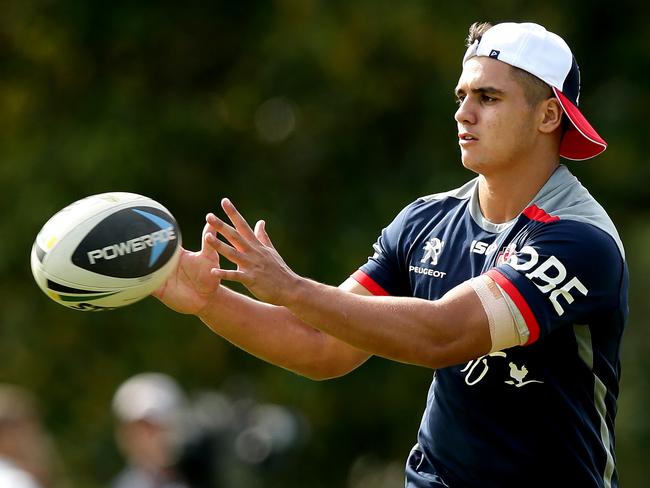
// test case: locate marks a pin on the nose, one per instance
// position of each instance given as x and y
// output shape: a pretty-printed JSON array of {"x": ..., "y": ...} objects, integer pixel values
[{"x": 465, "y": 114}]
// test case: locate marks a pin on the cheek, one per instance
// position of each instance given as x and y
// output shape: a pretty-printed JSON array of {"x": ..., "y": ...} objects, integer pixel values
[
  {"x": 525, "y": 131},
  {"x": 512, "y": 132},
  {"x": 501, "y": 134}
]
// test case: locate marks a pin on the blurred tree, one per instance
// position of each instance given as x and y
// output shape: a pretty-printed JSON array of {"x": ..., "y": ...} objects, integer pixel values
[{"x": 326, "y": 118}]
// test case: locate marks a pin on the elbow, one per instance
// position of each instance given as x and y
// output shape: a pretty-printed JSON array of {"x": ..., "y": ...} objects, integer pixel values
[
  {"x": 322, "y": 372},
  {"x": 331, "y": 359},
  {"x": 315, "y": 376},
  {"x": 330, "y": 366},
  {"x": 453, "y": 351},
  {"x": 430, "y": 357},
  {"x": 436, "y": 362}
]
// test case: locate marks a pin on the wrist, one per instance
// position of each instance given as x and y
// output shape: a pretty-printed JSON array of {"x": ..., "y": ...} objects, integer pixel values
[
  {"x": 297, "y": 292},
  {"x": 204, "y": 313}
]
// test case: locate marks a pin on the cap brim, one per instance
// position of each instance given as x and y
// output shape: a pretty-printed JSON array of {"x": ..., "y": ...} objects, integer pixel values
[{"x": 581, "y": 140}]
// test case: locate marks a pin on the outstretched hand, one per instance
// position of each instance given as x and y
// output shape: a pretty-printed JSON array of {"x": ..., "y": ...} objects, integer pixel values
[
  {"x": 192, "y": 285},
  {"x": 260, "y": 268}
]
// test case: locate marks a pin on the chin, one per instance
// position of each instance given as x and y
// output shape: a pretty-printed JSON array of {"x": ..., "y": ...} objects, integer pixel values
[{"x": 472, "y": 163}]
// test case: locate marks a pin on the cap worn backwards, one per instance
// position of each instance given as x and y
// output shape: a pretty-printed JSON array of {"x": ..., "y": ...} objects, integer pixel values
[{"x": 547, "y": 56}]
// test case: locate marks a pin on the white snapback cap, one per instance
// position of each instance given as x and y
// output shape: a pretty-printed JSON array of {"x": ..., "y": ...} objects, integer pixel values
[{"x": 544, "y": 54}]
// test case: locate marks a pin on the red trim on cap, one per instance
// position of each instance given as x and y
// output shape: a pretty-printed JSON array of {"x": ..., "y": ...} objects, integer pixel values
[
  {"x": 581, "y": 141},
  {"x": 369, "y": 284},
  {"x": 520, "y": 302},
  {"x": 535, "y": 213}
]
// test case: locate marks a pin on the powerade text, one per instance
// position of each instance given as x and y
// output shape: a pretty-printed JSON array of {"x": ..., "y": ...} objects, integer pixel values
[{"x": 132, "y": 245}]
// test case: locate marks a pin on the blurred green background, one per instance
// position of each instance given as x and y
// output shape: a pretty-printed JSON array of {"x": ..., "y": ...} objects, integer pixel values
[{"x": 323, "y": 117}]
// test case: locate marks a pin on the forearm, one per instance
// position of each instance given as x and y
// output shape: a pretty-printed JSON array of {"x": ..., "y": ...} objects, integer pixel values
[
  {"x": 436, "y": 333},
  {"x": 411, "y": 330},
  {"x": 277, "y": 336}
]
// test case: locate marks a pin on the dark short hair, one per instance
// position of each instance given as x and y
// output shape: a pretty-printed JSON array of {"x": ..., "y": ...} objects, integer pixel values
[{"x": 476, "y": 31}]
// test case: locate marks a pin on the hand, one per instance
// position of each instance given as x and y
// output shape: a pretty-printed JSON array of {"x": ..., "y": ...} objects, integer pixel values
[
  {"x": 260, "y": 268},
  {"x": 191, "y": 286}
]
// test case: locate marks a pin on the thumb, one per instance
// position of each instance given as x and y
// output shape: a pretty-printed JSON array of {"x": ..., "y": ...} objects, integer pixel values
[{"x": 260, "y": 233}]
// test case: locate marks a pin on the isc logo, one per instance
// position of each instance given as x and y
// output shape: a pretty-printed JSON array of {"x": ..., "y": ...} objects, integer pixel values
[
  {"x": 547, "y": 276},
  {"x": 480, "y": 247}
]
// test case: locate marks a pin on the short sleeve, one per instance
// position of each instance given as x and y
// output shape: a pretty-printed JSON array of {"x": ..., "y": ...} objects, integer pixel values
[
  {"x": 564, "y": 273},
  {"x": 383, "y": 273}
]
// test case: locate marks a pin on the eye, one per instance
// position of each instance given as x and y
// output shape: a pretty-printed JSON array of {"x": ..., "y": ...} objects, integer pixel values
[
  {"x": 459, "y": 99},
  {"x": 488, "y": 99}
]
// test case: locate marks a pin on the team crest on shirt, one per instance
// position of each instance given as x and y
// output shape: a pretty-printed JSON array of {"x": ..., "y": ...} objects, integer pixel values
[
  {"x": 432, "y": 251},
  {"x": 505, "y": 255}
]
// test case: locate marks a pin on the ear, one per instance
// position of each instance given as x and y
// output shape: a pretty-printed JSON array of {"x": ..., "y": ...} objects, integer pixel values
[{"x": 550, "y": 112}]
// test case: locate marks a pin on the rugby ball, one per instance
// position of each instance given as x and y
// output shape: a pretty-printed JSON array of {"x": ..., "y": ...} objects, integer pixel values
[{"x": 106, "y": 251}]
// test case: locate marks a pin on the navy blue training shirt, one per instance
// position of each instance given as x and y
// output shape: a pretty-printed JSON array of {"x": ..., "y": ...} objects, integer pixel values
[{"x": 541, "y": 414}]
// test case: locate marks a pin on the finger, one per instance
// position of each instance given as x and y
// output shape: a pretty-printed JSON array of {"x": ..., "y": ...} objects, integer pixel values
[
  {"x": 238, "y": 221},
  {"x": 260, "y": 233},
  {"x": 228, "y": 274},
  {"x": 229, "y": 232},
  {"x": 229, "y": 252},
  {"x": 205, "y": 247}
]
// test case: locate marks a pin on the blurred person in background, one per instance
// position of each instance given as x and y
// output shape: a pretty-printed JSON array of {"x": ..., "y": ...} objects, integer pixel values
[
  {"x": 147, "y": 408},
  {"x": 208, "y": 441},
  {"x": 28, "y": 458}
]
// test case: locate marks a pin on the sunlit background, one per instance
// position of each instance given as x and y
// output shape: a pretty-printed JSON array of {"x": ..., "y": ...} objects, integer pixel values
[{"x": 324, "y": 118}]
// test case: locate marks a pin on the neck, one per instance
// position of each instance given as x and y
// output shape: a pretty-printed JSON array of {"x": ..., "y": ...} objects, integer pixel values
[{"x": 504, "y": 195}]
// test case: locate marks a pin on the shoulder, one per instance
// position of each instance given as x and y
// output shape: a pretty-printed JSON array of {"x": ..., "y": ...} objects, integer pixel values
[
  {"x": 426, "y": 208},
  {"x": 577, "y": 244},
  {"x": 464, "y": 192},
  {"x": 561, "y": 254},
  {"x": 568, "y": 207},
  {"x": 421, "y": 215}
]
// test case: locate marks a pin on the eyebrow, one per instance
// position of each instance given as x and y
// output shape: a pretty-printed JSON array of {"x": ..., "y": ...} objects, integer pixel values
[{"x": 483, "y": 90}]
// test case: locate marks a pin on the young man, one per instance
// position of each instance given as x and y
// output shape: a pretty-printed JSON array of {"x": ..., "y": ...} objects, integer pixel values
[{"x": 513, "y": 287}]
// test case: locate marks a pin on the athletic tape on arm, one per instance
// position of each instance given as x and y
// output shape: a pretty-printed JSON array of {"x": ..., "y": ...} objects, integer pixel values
[{"x": 507, "y": 325}]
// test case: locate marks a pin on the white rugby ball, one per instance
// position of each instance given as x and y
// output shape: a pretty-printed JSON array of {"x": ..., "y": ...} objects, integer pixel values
[{"x": 106, "y": 251}]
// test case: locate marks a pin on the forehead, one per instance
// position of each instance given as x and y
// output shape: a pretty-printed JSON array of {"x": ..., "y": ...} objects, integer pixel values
[{"x": 480, "y": 71}]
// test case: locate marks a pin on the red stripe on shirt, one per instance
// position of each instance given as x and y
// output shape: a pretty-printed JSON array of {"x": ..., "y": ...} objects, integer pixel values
[
  {"x": 368, "y": 283},
  {"x": 535, "y": 213},
  {"x": 520, "y": 302}
]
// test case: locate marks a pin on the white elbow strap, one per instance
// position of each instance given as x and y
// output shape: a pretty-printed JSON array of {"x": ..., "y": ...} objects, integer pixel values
[{"x": 507, "y": 325}]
